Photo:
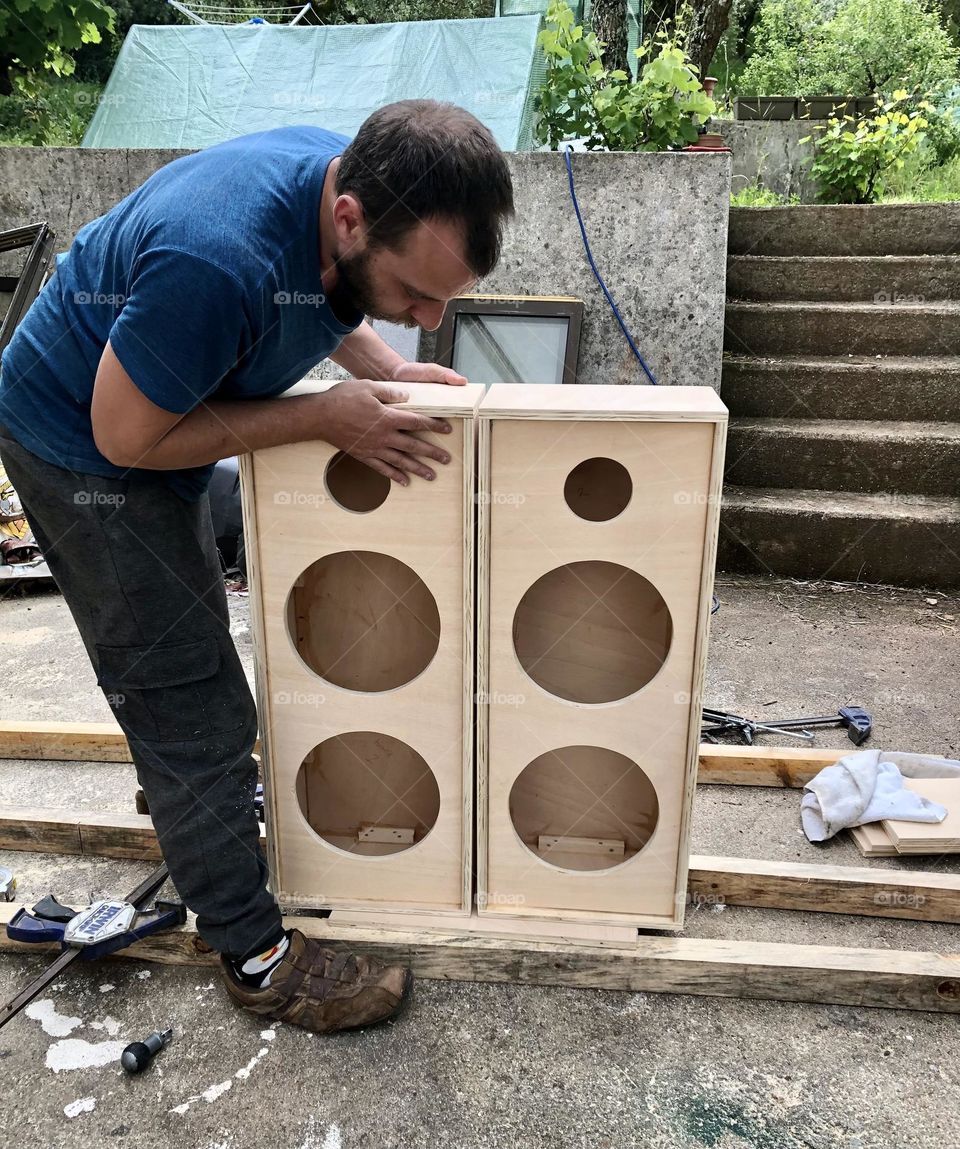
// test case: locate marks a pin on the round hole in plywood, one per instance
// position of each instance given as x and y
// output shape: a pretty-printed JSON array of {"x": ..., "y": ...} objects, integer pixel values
[
  {"x": 368, "y": 793},
  {"x": 584, "y": 808},
  {"x": 592, "y": 631},
  {"x": 355, "y": 486},
  {"x": 363, "y": 620},
  {"x": 598, "y": 489}
]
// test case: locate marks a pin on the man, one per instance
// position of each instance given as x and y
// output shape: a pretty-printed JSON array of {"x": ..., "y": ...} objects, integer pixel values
[{"x": 160, "y": 346}]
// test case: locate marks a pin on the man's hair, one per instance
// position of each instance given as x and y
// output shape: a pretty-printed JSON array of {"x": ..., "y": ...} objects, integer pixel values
[{"x": 417, "y": 160}]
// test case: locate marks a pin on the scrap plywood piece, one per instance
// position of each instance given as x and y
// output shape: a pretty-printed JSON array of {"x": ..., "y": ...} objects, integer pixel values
[
  {"x": 362, "y": 600},
  {"x": 873, "y": 841},
  {"x": 597, "y": 536},
  {"x": 929, "y": 837}
]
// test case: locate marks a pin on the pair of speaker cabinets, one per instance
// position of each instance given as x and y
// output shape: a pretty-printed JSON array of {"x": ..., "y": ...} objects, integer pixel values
[{"x": 480, "y": 696}]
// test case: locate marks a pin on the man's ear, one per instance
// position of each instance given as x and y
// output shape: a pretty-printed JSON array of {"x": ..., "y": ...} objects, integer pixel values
[{"x": 350, "y": 224}]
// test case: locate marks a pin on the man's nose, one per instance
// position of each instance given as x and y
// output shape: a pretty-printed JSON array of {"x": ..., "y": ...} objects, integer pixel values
[{"x": 429, "y": 314}]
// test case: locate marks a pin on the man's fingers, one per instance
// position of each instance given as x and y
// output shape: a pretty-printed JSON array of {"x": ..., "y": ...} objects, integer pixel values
[
  {"x": 429, "y": 373},
  {"x": 383, "y": 468},
  {"x": 405, "y": 462},
  {"x": 413, "y": 445},
  {"x": 387, "y": 393},
  {"x": 410, "y": 421}
]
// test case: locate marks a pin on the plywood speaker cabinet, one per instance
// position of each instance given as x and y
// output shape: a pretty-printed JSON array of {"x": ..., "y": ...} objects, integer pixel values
[
  {"x": 598, "y": 513},
  {"x": 361, "y": 598}
]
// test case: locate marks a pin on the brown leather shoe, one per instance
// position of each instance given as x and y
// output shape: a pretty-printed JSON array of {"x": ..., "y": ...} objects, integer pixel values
[{"x": 324, "y": 990}]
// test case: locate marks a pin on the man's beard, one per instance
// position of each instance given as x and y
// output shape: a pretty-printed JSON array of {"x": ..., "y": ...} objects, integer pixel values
[{"x": 354, "y": 290}]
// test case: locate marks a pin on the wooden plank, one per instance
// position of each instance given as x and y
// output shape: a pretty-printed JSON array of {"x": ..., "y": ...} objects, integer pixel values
[
  {"x": 929, "y": 837},
  {"x": 873, "y": 841},
  {"x": 764, "y": 765},
  {"x": 605, "y": 401},
  {"x": 760, "y": 970},
  {"x": 63, "y": 741},
  {"x": 775, "y": 766},
  {"x": 872, "y": 892}
]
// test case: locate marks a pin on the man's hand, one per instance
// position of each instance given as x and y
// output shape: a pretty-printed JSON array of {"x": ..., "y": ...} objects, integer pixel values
[
  {"x": 355, "y": 417},
  {"x": 426, "y": 373}
]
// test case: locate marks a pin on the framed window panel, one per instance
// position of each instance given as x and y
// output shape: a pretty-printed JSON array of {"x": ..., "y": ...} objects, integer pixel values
[{"x": 515, "y": 339}]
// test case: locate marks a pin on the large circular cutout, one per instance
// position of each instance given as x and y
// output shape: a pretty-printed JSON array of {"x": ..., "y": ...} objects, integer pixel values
[
  {"x": 598, "y": 489},
  {"x": 363, "y": 620},
  {"x": 584, "y": 808},
  {"x": 355, "y": 486},
  {"x": 592, "y": 631},
  {"x": 368, "y": 793}
]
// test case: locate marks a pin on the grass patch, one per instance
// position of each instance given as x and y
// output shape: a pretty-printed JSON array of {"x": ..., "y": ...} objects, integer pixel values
[
  {"x": 57, "y": 117},
  {"x": 755, "y": 196}
]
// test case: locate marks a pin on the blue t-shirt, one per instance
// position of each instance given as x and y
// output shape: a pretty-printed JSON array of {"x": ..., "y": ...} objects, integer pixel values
[{"x": 206, "y": 281}]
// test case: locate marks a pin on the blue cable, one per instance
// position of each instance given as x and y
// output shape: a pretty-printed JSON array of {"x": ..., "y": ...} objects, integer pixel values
[{"x": 603, "y": 286}]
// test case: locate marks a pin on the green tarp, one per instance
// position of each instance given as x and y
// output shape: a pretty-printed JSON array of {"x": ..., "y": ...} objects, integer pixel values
[{"x": 188, "y": 87}]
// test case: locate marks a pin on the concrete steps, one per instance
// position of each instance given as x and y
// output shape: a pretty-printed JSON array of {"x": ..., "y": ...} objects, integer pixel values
[
  {"x": 842, "y": 375},
  {"x": 844, "y": 455},
  {"x": 892, "y": 279},
  {"x": 848, "y": 229},
  {"x": 910, "y": 541},
  {"x": 853, "y": 387},
  {"x": 840, "y": 329}
]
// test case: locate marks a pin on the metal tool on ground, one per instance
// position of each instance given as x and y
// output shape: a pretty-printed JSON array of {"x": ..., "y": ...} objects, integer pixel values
[
  {"x": 138, "y": 1054},
  {"x": 8, "y": 884},
  {"x": 100, "y": 929},
  {"x": 858, "y": 722}
]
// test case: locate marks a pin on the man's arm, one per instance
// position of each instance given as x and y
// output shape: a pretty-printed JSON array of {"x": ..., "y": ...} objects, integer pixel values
[
  {"x": 131, "y": 431},
  {"x": 366, "y": 356}
]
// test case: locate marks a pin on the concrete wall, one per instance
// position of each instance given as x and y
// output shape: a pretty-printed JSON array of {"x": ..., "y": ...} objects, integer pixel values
[
  {"x": 657, "y": 224},
  {"x": 770, "y": 152}
]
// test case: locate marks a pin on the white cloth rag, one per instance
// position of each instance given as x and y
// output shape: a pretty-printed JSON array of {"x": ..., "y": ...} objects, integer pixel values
[{"x": 867, "y": 786}]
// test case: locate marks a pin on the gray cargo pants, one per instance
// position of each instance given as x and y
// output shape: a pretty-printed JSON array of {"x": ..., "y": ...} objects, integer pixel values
[{"x": 138, "y": 567}]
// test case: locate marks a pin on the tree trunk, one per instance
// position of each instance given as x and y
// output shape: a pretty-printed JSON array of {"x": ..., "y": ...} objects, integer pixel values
[
  {"x": 710, "y": 21},
  {"x": 608, "y": 18}
]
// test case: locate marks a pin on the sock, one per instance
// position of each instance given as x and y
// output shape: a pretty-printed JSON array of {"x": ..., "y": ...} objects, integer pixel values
[{"x": 257, "y": 971}]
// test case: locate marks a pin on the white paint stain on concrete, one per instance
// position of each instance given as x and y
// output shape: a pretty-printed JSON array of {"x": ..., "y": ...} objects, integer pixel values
[
  {"x": 333, "y": 1140},
  {"x": 74, "y": 1053},
  {"x": 267, "y": 1035},
  {"x": 107, "y": 987},
  {"x": 109, "y": 1025},
  {"x": 244, "y": 1073},
  {"x": 54, "y": 1024},
  {"x": 142, "y": 974},
  {"x": 81, "y": 1105},
  {"x": 216, "y": 1091}
]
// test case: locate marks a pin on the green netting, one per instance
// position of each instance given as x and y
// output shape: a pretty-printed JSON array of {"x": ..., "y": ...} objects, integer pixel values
[{"x": 189, "y": 87}]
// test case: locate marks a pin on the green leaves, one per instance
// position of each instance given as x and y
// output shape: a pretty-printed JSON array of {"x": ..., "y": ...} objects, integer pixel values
[
  {"x": 581, "y": 99},
  {"x": 850, "y": 164}
]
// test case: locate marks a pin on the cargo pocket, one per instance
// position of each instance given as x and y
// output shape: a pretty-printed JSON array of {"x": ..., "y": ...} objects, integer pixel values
[{"x": 171, "y": 693}]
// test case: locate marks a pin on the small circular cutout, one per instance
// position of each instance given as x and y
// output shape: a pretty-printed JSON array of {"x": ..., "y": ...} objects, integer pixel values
[
  {"x": 355, "y": 486},
  {"x": 598, "y": 489},
  {"x": 584, "y": 808},
  {"x": 363, "y": 621},
  {"x": 368, "y": 793},
  {"x": 592, "y": 631}
]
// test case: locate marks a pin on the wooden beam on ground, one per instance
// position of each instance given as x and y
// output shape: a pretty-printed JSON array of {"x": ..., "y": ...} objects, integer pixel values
[
  {"x": 64, "y": 741},
  {"x": 764, "y": 765},
  {"x": 766, "y": 970},
  {"x": 868, "y": 891},
  {"x": 875, "y": 891}
]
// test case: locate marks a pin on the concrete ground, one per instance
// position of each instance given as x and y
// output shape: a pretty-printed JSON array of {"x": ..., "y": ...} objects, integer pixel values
[{"x": 477, "y": 1065}]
